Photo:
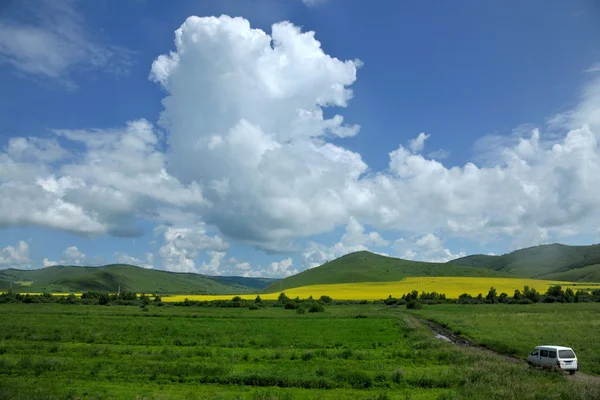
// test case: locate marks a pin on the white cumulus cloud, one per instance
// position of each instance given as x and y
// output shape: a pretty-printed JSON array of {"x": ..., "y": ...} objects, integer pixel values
[
  {"x": 15, "y": 256},
  {"x": 72, "y": 256},
  {"x": 252, "y": 103},
  {"x": 428, "y": 248},
  {"x": 184, "y": 244},
  {"x": 354, "y": 239}
]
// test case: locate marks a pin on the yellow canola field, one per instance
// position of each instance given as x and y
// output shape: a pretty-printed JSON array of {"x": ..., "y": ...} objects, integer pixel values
[{"x": 452, "y": 287}]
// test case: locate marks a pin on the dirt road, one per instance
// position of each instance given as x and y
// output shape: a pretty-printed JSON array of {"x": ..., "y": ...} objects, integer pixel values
[{"x": 447, "y": 335}]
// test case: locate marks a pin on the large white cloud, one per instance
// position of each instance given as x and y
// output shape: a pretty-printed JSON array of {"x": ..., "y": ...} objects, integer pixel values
[
  {"x": 119, "y": 175},
  {"x": 244, "y": 116}
]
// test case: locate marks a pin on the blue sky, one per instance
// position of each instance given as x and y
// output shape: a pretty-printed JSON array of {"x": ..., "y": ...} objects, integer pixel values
[{"x": 468, "y": 127}]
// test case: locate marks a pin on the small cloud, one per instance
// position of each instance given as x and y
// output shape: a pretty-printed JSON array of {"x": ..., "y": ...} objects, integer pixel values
[
  {"x": 593, "y": 68},
  {"x": 312, "y": 3},
  {"x": 48, "y": 263},
  {"x": 417, "y": 145}
]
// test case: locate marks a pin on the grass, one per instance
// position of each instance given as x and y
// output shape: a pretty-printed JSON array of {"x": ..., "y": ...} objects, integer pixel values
[
  {"x": 364, "y": 266},
  {"x": 551, "y": 261},
  {"x": 111, "y": 277},
  {"x": 591, "y": 273},
  {"x": 451, "y": 286},
  {"x": 516, "y": 329},
  {"x": 51, "y": 351}
]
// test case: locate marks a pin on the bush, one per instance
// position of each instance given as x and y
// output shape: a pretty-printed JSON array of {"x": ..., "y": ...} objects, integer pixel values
[
  {"x": 253, "y": 307},
  {"x": 316, "y": 307},
  {"x": 300, "y": 310},
  {"x": 326, "y": 299},
  {"x": 414, "y": 305}
]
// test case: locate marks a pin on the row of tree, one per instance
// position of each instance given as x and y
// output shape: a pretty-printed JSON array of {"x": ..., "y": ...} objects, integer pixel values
[
  {"x": 554, "y": 294},
  {"x": 412, "y": 300},
  {"x": 88, "y": 298}
]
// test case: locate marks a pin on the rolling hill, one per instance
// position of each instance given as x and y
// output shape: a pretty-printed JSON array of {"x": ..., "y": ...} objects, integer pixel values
[
  {"x": 364, "y": 266},
  {"x": 551, "y": 261},
  {"x": 127, "y": 277}
]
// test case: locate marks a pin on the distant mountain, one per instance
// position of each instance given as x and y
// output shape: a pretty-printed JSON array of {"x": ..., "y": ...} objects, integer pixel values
[
  {"x": 127, "y": 277},
  {"x": 364, "y": 266},
  {"x": 551, "y": 261}
]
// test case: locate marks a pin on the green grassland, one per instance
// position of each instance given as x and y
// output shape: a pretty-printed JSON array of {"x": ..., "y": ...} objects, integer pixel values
[
  {"x": 517, "y": 329},
  {"x": 552, "y": 261},
  {"x": 52, "y": 351},
  {"x": 364, "y": 266},
  {"x": 590, "y": 273},
  {"x": 110, "y": 277}
]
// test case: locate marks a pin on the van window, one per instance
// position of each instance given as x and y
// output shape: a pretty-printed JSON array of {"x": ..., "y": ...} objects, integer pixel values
[
  {"x": 534, "y": 352},
  {"x": 566, "y": 354},
  {"x": 544, "y": 353},
  {"x": 551, "y": 354}
]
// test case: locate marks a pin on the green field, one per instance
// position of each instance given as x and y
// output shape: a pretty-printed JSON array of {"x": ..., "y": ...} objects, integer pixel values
[
  {"x": 517, "y": 329},
  {"x": 109, "y": 278},
  {"x": 364, "y": 266},
  {"x": 53, "y": 351}
]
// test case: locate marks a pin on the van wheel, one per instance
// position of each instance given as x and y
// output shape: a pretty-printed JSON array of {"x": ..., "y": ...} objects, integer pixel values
[{"x": 571, "y": 372}]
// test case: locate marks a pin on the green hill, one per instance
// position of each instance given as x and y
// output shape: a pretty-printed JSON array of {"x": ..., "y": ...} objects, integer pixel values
[
  {"x": 127, "y": 277},
  {"x": 551, "y": 261},
  {"x": 364, "y": 266}
]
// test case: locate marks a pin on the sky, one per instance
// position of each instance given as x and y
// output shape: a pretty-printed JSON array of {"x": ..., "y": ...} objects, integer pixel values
[{"x": 265, "y": 137}]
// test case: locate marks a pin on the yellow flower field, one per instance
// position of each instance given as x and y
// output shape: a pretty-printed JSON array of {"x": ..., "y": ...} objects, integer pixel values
[{"x": 451, "y": 286}]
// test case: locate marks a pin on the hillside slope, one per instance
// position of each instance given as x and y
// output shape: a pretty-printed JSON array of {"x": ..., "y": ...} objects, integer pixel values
[
  {"x": 127, "y": 277},
  {"x": 551, "y": 261},
  {"x": 364, "y": 266}
]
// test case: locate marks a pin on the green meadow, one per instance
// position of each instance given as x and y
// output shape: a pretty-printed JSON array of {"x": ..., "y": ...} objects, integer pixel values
[{"x": 55, "y": 351}]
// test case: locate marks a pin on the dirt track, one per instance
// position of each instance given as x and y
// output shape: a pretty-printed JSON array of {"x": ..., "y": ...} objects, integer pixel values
[{"x": 447, "y": 335}]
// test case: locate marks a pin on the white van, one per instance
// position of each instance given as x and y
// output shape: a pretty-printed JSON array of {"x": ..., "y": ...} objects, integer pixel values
[{"x": 554, "y": 356}]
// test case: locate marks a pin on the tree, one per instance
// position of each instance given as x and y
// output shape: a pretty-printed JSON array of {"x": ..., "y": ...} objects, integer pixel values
[
  {"x": 258, "y": 299},
  {"x": 492, "y": 297},
  {"x": 326, "y": 299},
  {"x": 569, "y": 296},
  {"x": 282, "y": 297},
  {"x": 517, "y": 295}
]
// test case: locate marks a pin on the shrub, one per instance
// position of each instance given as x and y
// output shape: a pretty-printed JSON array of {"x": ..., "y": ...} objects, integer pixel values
[
  {"x": 300, "y": 310},
  {"x": 326, "y": 299},
  {"x": 316, "y": 307},
  {"x": 414, "y": 305},
  {"x": 253, "y": 307}
]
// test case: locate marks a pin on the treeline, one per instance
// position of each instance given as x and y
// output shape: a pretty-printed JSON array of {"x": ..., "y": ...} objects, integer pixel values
[
  {"x": 412, "y": 300},
  {"x": 87, "y": 298},
  {"x": 300, "y": 305},
  {"x": 554, "y": 294}
]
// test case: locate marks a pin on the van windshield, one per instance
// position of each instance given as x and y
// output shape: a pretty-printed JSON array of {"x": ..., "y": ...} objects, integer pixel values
[{"x": 566, "y": 354}]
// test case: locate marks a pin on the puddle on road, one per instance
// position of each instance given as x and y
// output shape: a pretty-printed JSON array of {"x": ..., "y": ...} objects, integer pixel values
[{"x": 438, "y": 336}]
